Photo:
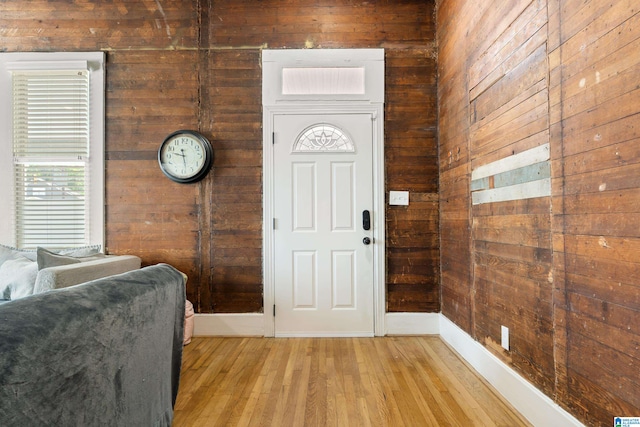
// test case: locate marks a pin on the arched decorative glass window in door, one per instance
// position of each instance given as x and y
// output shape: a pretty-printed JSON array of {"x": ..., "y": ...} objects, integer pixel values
[{"x": 323, "y": 137}]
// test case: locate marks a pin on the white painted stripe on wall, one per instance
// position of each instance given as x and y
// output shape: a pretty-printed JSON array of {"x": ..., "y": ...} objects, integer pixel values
[
  {"x": 527, "y": 190},
  {"x": 535, "y": 155}
]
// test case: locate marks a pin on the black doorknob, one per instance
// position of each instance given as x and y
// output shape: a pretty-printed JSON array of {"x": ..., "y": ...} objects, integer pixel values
[{"x": 366, "y": 241}]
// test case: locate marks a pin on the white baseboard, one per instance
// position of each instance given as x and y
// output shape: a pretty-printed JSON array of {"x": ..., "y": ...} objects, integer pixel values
[
  {"x": 252, "y": 324},
  {"x": 230, "y": 325},
  {"x": 412, "y": 324},
  {"x": 534, "y": 405}
]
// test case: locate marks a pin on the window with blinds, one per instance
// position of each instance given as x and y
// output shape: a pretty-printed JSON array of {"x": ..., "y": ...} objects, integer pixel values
[{"x": 51, "y": 157}]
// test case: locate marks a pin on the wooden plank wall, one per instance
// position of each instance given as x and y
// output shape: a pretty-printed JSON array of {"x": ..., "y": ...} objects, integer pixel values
[
  {"x": 595, "y": 87},
  {"x": 195, "y": 64},
  {"x": 561, "y": 271},
  {"x": 511, "y": 240}
]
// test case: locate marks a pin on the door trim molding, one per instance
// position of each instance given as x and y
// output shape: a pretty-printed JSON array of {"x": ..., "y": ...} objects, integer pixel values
[{"x": 378, "y": 221}]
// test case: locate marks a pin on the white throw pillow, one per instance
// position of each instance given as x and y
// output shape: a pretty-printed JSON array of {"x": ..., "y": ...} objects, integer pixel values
[
  {"x": 8, "y": 252},
  {"x": 17, "y": 278}
]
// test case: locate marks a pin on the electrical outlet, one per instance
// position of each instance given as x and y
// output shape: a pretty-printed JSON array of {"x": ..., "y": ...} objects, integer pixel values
[
  {"x": 505, "y": 337},
  {"x": 398, "y": 198}
]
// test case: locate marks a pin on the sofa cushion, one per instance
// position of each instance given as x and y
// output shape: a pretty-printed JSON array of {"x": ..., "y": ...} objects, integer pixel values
[
  {"x": 17, "y": 278},
  {"x": 47, "y": 258}
]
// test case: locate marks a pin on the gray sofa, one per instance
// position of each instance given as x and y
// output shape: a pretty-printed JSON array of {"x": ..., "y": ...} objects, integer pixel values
[{"x": 103, "y": 353}]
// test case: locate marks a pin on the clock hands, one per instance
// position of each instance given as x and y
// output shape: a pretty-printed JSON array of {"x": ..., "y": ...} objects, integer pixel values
[{"x": 184, "y": 157}]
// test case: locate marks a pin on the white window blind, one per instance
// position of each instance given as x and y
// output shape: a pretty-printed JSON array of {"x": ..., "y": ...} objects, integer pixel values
[{"x": 51, "y": 157}]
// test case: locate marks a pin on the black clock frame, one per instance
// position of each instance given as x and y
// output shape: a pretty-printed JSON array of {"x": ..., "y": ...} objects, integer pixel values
[{"x": 208, "y": 157}]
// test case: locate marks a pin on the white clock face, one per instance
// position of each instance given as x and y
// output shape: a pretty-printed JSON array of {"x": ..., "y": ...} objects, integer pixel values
[{"x": 182, "y": 156}]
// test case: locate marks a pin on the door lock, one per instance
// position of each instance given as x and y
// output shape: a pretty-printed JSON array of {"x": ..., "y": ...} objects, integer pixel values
[
  {"x": 366, "y": 220},
  {"x": 366, "y": 241}
]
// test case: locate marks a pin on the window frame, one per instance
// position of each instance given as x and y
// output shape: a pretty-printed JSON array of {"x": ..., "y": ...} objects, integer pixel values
[{"x": 94, "y": 62}]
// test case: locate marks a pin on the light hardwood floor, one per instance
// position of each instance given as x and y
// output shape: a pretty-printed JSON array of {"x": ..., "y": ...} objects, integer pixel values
[{"x": 390, "y": 381}]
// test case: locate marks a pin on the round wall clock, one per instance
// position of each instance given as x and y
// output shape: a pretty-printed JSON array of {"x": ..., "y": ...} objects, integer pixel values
[{"x": 185, "y": 156}]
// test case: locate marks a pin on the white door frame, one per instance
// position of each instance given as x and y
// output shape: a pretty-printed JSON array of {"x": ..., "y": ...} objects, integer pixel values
[
  {"x": 370, "y": 100},
  {"x": 378, "y": 217}
]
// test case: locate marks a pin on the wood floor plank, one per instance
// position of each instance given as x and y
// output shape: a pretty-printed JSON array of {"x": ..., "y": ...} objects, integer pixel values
[{"x": 387, "y": 381}]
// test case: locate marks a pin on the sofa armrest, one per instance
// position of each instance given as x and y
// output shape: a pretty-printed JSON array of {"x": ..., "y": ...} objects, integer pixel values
[
  {"x": 73, "y": 274},
  {"x": 104, "y": 353}
]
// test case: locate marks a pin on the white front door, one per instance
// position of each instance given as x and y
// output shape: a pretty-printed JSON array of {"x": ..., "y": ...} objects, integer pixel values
[{"x": 323, "y": 194}]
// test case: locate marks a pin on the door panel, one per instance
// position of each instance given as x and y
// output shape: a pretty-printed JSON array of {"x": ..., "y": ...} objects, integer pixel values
[
  {"x": 343, "y": 283},
  {"x": 304, "y": 279},
  {"x": 342, "y": 192},
  {"x": 322, "y": 183},
  {"x": 304, "y": 196}
]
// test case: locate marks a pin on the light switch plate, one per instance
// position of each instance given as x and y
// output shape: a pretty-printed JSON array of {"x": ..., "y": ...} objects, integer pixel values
[{"x": 399, "y": 198}]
